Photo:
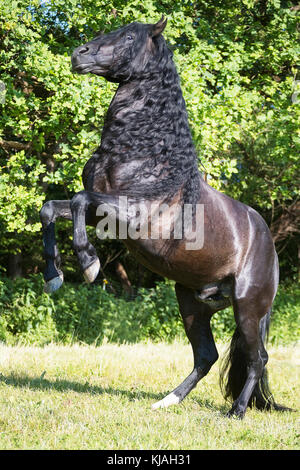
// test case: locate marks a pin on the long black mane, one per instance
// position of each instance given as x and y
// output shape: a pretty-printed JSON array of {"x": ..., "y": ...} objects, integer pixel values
[{"x": 147, "y": 121}]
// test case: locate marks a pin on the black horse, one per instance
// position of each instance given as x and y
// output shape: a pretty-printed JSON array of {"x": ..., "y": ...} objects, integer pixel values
[{"x": 147, "y": 154}]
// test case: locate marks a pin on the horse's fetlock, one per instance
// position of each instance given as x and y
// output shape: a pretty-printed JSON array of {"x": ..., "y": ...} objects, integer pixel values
[{"x": 80, "y": 247}]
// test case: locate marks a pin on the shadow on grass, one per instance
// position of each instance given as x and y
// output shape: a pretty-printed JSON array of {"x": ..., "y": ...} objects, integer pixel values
[
  {"x": 39, "y": 383},
  {"x": 211, "y": 406}
]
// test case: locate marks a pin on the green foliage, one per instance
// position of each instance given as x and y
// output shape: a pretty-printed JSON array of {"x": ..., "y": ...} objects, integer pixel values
[
  {"x": 237, "y": 61},
  {"x": 91, "y": 315},
  {"x": 25, "y": 312},
  {"x": 84, "y": 313},
  {"x": 285, "y": 325},
  {"x": 238, "y": 66}
]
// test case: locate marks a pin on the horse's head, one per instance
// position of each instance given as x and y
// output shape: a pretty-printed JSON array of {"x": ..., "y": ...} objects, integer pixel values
[{"x": 122, "y": 54}]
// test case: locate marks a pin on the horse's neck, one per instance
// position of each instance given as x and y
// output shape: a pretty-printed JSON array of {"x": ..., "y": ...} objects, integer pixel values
[
  {"x": 147, "y": 123},
  {"x": 126, "y": 101},
  {"x": 149, "y": 99}
]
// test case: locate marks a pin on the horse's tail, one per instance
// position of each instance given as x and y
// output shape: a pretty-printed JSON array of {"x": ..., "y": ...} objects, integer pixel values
[{"x": 233, "y": 372}]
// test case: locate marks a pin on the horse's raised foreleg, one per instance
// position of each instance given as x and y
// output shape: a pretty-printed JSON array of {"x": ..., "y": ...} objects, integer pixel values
[
  {"x": 196, "y": 318},
  {"x": 86, "y": 253},
  {"x": 50, "y": 211}
]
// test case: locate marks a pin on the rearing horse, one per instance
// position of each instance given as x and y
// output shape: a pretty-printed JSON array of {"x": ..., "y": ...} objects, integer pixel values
[{"x": 147, "y": 154}]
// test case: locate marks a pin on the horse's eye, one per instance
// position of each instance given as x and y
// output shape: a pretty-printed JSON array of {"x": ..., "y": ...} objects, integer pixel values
[{"x": 129, "y": 37}]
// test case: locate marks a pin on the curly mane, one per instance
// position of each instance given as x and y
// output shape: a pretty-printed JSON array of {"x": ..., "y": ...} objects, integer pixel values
[{"x": 147, "y": 121}]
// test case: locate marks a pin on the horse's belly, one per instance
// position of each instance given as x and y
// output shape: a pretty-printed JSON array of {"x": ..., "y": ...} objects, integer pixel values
[{"x": 191, "y": 268}]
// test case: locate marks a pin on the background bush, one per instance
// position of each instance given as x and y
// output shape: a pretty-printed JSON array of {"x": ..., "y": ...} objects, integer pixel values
[
  {"x": 238, "y": 64},
  {"x": 89, "y": 314}
]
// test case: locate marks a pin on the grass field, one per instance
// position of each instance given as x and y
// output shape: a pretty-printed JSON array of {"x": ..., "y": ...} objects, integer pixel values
[{"x": 82, "y": 397}]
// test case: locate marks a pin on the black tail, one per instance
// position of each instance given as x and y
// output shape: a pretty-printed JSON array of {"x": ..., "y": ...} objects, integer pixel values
[{"x": 233, "y": 373}]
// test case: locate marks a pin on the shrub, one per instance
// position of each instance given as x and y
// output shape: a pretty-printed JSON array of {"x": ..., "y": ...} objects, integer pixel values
[{"x": 87, "y": 313}]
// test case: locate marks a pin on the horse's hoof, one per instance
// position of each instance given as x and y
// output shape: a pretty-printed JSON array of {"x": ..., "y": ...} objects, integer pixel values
[
  {"x": 92, "y": 271},
  {"x": 53, "y": 284},
  {"x": 236, "y": 413}
]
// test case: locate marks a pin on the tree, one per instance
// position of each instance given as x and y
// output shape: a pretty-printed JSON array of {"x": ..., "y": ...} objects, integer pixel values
[{"x": 237, "y": 62}]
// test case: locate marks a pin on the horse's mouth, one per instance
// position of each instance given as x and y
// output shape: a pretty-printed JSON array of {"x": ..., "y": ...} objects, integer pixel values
[{"x": 82, "y": 68}]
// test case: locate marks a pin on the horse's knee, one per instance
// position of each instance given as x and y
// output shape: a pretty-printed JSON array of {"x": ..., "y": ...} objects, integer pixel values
[
  {"x": 79, "y": 200},
  {"x": 47, "y": 212}
]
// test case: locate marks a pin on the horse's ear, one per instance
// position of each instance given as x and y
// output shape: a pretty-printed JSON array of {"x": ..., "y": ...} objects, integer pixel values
[{"x": 158, "y": 27}]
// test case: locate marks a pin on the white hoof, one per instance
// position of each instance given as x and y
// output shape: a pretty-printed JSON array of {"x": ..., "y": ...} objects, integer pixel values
[
  {"x": 53, "y": 284},
  {"x": 169, "y": 400},
  {"x": 92, "y": 271}
]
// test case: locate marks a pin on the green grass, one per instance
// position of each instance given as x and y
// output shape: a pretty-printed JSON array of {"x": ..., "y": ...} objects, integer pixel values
[{"x": 83, "y": 397}]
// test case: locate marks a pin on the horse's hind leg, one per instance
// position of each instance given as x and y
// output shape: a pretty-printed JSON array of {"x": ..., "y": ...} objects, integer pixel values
[
  {"x": 196, "y": 318},
  {"x": 256, "y": 358},
  {"x": 247, "y": 381},
  {"x": 50, "y": 211}
]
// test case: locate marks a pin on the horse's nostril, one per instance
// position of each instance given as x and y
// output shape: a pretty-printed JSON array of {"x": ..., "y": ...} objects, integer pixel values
[{"x": 83, "y": 50}]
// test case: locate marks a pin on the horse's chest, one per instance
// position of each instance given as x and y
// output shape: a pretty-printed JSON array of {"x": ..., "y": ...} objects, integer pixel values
[
  {"x": 102, "y": 175},
  {"x": 95, "y": 177}
]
